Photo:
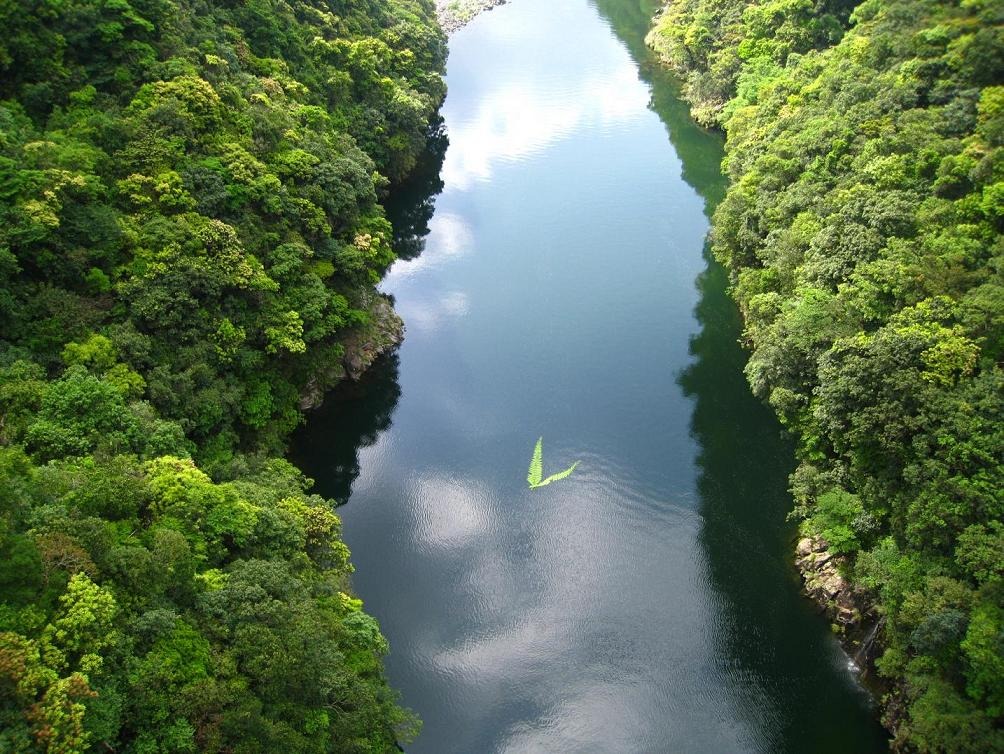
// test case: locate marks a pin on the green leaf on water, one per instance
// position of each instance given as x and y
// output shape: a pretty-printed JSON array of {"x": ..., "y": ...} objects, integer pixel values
[
  {"x": 560, "y": 475},
  {"x": 536, "y": 470}
]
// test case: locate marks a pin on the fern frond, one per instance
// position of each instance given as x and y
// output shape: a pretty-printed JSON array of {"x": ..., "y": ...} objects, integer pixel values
[
  {"x": 536, "y": 471},
  {"x": 560, "y": 475}
]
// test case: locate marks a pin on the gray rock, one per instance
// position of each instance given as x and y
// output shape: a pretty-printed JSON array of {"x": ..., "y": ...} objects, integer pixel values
[{"x": 381, "y": 334}]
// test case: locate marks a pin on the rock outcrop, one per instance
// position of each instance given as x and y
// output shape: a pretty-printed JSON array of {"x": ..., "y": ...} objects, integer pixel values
[
  {"x": 824, "y": 582},
  {"x": 851, "y": 610},
  {"x": 382, "y": 333}
]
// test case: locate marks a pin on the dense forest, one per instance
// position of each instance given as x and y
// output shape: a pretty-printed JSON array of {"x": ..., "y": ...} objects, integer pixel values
[
  {"x": 862, "y": 231},
  {"x": 190, "y": 233}
]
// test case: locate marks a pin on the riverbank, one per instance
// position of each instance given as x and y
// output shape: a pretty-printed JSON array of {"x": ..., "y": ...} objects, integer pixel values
[
  {"x": 855, "y": 620},
  {"x": 898, "y": 448},
  {"x": 851, "y": 609},
  {"x": 381, "y": 334},
  {"x": 455, "y": 14}
]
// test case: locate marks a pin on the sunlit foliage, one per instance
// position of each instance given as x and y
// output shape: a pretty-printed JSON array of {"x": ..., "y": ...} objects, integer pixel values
[
  {"x": 863, "y": 234},
  {"x": 535, "y": 473},
  {"x": 189, "y": 227}
]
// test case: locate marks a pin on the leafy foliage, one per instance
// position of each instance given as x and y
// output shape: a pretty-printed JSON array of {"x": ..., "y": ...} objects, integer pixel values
[
  {"x": 559, "y": 476},
  {"x": 725, "y": 48},
  {"x": 190, "y": 194},
  {"x": 862, "y": 234},
  {"x": 190, "y": 228},
  {"x": 536, "y": 471},
  {"x": 182, "y": 614}
]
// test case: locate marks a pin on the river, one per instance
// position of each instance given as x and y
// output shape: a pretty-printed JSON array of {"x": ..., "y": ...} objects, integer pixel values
[{"x": 647, "y": 602}]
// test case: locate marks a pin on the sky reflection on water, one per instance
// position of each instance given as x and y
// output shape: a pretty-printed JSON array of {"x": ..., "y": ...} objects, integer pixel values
[{"x": 556, "y": 296}]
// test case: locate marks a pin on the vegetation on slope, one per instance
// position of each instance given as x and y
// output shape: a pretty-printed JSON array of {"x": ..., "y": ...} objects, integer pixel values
[
  {"x": 189, "y": 227},
  {"x": 863, "y": 234}
]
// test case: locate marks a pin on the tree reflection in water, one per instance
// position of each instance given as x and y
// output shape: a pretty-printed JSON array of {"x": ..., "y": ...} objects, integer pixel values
[{"x": 354, "y": 414}]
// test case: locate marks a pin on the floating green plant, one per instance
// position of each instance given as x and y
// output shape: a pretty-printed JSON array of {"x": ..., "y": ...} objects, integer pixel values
[{"x": 536, "y": 470}]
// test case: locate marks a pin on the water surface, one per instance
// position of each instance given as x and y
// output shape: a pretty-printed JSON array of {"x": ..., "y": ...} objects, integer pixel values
[{"x": 647, "y": 602}]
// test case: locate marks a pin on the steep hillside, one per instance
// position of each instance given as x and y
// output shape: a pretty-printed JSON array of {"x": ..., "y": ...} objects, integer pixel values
[
  {"x": 190, "y": 231},
  {"x": 863, "y": 233}
]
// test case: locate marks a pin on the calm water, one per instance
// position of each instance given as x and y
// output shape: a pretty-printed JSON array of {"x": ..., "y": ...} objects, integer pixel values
[{"x": 646, "y": 603}]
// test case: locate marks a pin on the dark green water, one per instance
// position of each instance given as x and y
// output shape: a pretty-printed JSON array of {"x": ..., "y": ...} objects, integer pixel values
[{"x": 647, "y": 602}]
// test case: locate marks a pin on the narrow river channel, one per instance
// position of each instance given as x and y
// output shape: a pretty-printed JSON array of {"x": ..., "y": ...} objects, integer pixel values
[{"x": 646, "y": 603}]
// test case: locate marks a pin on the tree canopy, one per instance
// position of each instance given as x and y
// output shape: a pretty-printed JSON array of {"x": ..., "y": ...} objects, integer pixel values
[
  {"x": 863, "y": 234},
  {"x": 190, "y": 229}
]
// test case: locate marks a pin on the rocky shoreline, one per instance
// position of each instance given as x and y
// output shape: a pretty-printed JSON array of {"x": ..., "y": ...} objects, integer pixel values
[
  {"x": 454, "y": 14},
  {"x": 854, "y": 619},
  {"x": 381, "y": 334},
  {"x": 826, "y": 585}
]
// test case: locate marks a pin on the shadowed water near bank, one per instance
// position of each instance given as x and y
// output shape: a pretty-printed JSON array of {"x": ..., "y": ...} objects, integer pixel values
[{"x": 646, "y": 603}]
